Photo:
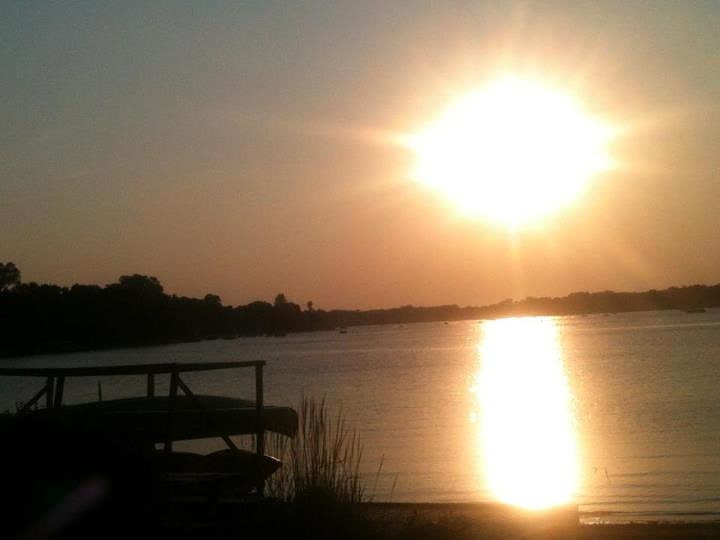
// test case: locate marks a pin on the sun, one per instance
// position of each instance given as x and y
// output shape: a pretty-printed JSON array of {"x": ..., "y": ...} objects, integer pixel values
[{"x": 512, "y": 152}]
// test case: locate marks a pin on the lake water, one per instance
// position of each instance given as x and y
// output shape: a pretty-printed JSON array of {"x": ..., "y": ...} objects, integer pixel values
[{"x": 624, "y": 407}]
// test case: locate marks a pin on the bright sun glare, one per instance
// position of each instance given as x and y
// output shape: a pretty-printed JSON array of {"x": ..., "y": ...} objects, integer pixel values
[
  {"x": 512, "y": 152},
  {"x": 528, "y": 438}
]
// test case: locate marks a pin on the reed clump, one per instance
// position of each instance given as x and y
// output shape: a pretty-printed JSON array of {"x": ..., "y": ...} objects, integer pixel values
[
  {"x": 322, "y": 462},
  {"x": 319, "y": 484}
]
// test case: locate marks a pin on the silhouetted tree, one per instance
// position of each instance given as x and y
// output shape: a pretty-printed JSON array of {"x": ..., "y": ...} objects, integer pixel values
[
  {"x": 287, "y": 316},
  {"x": 256, "y": 318},
  {"x": 9, "y": 276},
  {"x": 212, "y": 299},
  {"x": 143, "y": 284}
]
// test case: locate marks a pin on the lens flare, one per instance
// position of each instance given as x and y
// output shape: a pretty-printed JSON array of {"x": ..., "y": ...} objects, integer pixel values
[{"x": 528, "y": 440}]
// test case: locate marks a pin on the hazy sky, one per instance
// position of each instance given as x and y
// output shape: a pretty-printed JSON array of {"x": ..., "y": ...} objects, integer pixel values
[{"x": 241, "y": 148}]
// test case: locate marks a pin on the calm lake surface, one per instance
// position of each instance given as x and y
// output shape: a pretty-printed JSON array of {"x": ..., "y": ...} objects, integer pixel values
[{"x": 642, "y": 411}]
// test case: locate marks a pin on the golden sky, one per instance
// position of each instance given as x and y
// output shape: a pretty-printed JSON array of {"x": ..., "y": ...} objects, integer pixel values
[{"x": 247, "y": 149}]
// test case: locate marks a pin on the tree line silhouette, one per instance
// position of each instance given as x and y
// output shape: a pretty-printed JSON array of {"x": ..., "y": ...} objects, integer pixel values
[{"x": 44, "y": 318}]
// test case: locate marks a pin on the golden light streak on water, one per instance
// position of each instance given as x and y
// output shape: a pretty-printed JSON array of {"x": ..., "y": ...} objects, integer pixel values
[{"x": 524, "y": 405}]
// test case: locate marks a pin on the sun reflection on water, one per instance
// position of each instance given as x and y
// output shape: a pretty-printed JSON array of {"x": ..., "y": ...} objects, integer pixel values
[{"x": 524, "y": 407}]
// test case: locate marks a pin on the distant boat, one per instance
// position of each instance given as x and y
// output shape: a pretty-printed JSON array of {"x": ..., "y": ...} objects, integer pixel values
[
  {"x": 342, "y": 330},
  {"x": 695, "y": 310}
]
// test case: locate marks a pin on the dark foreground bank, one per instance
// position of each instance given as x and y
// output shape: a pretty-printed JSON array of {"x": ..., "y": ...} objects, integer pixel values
[{"x": 406, "y": 521}]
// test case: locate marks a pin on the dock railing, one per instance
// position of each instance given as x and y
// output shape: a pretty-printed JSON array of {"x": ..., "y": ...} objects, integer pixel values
[{"x": 54, "y": 387}]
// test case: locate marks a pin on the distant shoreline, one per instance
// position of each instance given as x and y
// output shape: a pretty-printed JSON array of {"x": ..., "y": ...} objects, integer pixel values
[
  {"x": 68, "y": 348},
  {"x": 136, "y": 312}
]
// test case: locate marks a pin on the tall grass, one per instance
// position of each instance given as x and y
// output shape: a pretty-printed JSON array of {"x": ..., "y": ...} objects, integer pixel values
[{"x": 322, "y": 463}]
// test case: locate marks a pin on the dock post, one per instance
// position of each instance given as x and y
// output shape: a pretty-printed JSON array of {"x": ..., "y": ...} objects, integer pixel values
[
  {"x": 172, "y": 402},
  {"x": 259, "y": 428},
  {"x": 50, "y": 394},
  {"x": 59, "y": 391},
  {"x": 151, "y": 385}
]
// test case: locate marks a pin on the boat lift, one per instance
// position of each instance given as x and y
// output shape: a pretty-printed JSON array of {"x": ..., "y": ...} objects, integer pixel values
[{"x": 165, "y": 419}]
